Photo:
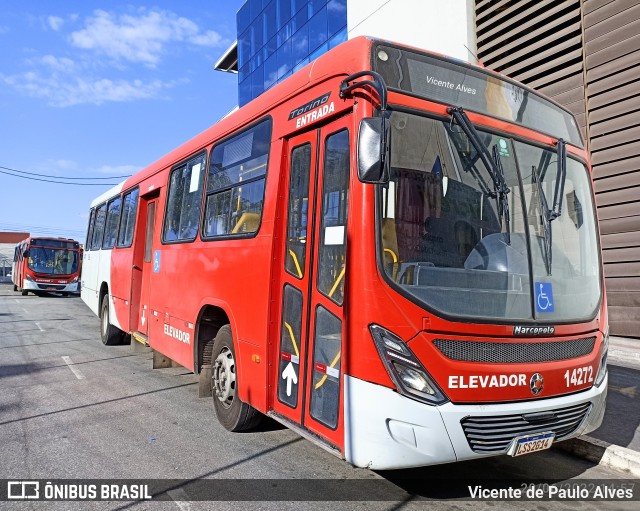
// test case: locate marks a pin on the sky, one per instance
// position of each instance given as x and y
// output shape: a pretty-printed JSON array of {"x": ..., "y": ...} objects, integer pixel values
[{"x": 101, "y": 89}]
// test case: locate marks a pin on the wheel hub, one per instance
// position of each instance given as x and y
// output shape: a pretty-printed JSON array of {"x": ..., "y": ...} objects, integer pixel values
[{"x": 224, "y": 377}]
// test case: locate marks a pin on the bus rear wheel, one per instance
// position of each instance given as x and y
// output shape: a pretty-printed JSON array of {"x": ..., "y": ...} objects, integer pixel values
[
  {"x": 232, "y": 413},
  {"x": 15, "y": 288},
  {"x": 109, "y": 334}
]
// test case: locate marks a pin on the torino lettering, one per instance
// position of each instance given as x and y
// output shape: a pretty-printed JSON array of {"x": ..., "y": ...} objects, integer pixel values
[
  {"x": 315, "y": 115},
  {"x": 177, "y": 334}
]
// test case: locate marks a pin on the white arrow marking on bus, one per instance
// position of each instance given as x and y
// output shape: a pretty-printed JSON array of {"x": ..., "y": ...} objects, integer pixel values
[{"x": 289, "y": 374}]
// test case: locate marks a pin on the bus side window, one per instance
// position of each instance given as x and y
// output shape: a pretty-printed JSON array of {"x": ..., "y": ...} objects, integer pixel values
[
  {"x": 87, "y": 242},
  {"x": 183, "y": 202},
  {"x": 128, "y": 218},
  {"x": 236, "y": 183},
  {"x": 98, "y": 227},
  {"x": 111, "y": 227}
]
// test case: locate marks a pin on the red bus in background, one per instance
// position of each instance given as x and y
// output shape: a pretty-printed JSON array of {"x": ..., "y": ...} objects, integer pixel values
[
  {"x": 391, "y": 252},
  {"x": 47, "y": 265}
]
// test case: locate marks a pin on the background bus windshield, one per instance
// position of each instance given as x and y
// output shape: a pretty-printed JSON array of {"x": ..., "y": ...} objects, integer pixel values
[
  {"x": 52, "y": 261},
  {"x": 445, "y": 238}
]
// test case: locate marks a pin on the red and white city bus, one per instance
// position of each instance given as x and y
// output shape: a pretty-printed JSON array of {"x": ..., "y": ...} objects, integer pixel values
[
  {"x": 392, "y": 252},
  {"x": 47, "y": 265}
]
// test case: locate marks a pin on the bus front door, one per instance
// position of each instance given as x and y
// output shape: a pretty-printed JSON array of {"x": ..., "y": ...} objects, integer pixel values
[
  {"x": 143, "y": 266},
  {"x": 308, "y": 352}
]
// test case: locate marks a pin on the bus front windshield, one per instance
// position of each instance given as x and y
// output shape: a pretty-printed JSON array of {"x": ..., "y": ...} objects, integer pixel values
[
  {"x": 52, "y": 261},
  {"x": 454, "y": 246}
]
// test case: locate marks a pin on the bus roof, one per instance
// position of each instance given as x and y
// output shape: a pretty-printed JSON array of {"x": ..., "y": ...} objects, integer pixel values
[{"x": 352, "y": 55}]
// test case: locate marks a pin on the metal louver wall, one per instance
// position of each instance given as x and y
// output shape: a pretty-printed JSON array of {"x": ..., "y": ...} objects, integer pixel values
[{"x": 585, "y": 54}]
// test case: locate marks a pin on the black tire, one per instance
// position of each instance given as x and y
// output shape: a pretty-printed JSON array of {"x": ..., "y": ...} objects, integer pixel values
[
  {"x": 64, "y": 293},
  {"x": 109, "y": 334},
  {"x": 232, "y": 413},
  {"x": 15, "y": 288},
  {"x": 24, "y": 292}
]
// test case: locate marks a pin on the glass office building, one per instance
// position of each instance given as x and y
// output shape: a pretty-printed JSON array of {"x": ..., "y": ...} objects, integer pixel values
[{"x": 278, "y": 37}]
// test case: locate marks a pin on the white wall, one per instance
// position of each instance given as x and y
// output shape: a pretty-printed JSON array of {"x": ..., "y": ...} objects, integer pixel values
[{"x": 441, "y": 26}]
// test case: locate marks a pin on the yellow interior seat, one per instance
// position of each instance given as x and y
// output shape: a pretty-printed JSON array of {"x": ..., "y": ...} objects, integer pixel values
[{"x": 248, "y": 222}]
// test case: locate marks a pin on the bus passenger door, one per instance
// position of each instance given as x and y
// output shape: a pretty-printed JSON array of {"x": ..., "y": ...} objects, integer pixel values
[
  {"x": 143, "y": 265},
  {"x": 308, "y": 389}
]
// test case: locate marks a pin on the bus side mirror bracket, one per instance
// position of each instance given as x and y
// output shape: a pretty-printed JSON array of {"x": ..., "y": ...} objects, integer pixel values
[{"x": 374, "y": 149}]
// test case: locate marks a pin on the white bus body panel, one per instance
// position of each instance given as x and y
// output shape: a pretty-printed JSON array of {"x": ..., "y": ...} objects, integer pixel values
[{"x": 385, "y": 430}]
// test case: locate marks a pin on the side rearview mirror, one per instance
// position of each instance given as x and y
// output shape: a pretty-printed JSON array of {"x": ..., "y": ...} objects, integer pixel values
[
  {"x": 26, "y": 253},
  {"x": 374, "y": 150}
]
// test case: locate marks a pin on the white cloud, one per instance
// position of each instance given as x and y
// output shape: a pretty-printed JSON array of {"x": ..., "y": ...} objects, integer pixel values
[
  {"x": 55, "y": 22},
  {"x": 75, "y": 90},
  {"x": 139, "y": 38},
  {"x": 63, "y": 64}
]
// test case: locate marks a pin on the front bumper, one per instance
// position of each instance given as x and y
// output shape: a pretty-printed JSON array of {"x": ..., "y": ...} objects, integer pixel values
[
  {"x": 72, "y": 287},
  {"x": 385, "y": 430}
]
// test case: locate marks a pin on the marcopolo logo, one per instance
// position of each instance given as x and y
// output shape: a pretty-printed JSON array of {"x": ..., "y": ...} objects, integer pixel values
[{"x": 533, "y": 330}]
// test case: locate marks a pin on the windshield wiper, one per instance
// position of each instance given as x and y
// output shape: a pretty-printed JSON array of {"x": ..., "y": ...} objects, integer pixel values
[
  {"x": 547, "y": 215},
  {"x": 492, "y": 164},
  {"x": 503, "y": 204}
]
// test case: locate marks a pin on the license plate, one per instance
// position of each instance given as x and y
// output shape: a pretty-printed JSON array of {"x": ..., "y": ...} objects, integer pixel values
[{"x": 531, "y": 443}]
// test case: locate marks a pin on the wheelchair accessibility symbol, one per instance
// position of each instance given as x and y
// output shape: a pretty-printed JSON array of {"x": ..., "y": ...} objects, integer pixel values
[
  {"x": 156, "y": 261},
  {"x": 544, "y": 297}
]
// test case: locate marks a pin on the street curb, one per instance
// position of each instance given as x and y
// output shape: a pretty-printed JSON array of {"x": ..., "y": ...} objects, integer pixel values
[{"x": 603, "y": 453}]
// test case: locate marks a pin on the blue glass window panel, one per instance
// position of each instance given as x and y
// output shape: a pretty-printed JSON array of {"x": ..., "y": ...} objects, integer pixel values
[
  {"x": 257, "y": 82},
  {"x": 266, "y": 2},
  {"x": 301, "y": 64},
  {"x": 286, "y": 75},
  {"x": 270, "y": 48},
  {"x": 315, "y": 6},
  {"x": 318, "y": 29},
  {"x": 244, "y": 92},
  {"x": 322, "y": 49},
  {"x": 244, "y": 48},
  {"x": 284, "y": 33},
  {"x": 340, "y": 37},
  {"x": 299, "y": 20},
  {"x": 270, "y": 21},
  {"x": 284, "y": 12},
  {"x": 244, "y": 17},
  {"x": 257, "y": 41},
  {"x": 337, "y": 14},
  {"x": 300, "y": 44},
  {"x": 271, "y": 71},
  {"x": 243, "y": 73},
  {"x": 296, "y": 5},
  {"x": 284, "y": 59},
  {"x": 256, "y": 8}
]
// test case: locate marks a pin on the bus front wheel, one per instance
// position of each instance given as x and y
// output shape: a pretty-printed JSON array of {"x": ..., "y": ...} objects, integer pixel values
[
  {"x": 25, "y": 292},
  {"x": 109, "y": 334},
  {"x": 232, "y": 413}
]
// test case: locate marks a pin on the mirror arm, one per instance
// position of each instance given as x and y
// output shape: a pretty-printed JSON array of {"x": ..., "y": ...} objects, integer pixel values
[{"x": 377, "y": 83}]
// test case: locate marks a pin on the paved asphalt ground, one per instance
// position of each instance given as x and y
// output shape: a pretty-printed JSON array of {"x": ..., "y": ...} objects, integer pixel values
[{"x": 73, "y": 408}]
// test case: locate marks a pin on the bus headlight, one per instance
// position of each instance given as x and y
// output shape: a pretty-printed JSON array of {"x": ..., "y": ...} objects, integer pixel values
[
  {"x": 602, "y": 370},
  {"x": 29, "y": 277},
  {"x": 407, "y": 373},
  {"x": 75, "y": 279}
]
